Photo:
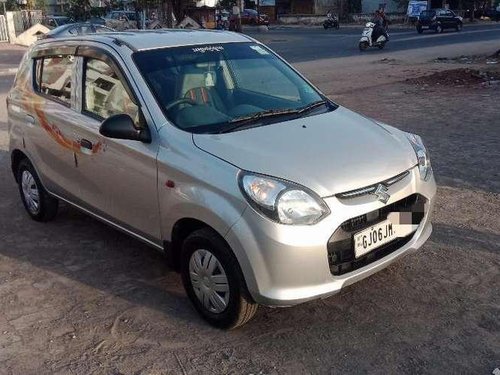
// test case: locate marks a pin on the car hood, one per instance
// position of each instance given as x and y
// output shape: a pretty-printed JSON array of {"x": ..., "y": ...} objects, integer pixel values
[{"x": 329, "y": 153}]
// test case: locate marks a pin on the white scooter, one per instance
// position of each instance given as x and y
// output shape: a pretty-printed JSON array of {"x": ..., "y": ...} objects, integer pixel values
[{"x": 366, "y": 38}]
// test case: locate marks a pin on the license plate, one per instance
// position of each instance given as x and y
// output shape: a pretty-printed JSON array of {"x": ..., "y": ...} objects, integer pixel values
[{"x": 373, "y": 237}]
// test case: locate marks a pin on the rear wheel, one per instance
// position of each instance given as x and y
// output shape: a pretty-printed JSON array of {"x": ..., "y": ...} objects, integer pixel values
[
  {"x": 337, "y": 26},
  {"x": 214, "y": 282},
  {"x": 459, "y": 26},
  {"x": 38, "y": 203},
  {"x": 420, "y": 30},
  {"x": 325, "y": 26},
  {"x": 363, "y": 46},
  {"x": 439, "y": 29}
]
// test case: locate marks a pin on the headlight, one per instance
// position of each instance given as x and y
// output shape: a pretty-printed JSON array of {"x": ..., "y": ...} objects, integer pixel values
[
  {"x": 424, "y": 162},
  {"x": 282, "y": 201}
]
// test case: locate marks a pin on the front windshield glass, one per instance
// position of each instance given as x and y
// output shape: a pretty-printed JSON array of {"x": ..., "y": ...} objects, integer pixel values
[{"x": 216, "y": 88}]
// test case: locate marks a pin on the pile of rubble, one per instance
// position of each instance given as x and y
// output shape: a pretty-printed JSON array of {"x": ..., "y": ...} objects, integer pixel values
[{"x": 459, "y": 78}]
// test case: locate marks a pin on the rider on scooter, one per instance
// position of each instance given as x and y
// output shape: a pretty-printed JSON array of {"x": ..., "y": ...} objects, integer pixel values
[{"x": 380, "y": 25}]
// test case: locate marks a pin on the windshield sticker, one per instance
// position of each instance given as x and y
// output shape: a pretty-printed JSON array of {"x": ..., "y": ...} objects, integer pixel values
[
  {"x": 208, "y": 49},
  {"x": 260, "y": 50}
]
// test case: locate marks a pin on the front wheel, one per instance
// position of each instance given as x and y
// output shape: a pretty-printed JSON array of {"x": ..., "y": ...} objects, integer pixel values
[
  {"x": 381, "y": 46},
  {"x": 420, "y": 30},
  {"x": 337, "y": 26},
  {"x": 439, "y": 29},
  {"x": 38, "y": 203},
  {"x": 363, "y": 46},
  {"x": 214, "y": 282},
  {"x": 459, "y": 26},
  {"x": 325, "y": 26}
]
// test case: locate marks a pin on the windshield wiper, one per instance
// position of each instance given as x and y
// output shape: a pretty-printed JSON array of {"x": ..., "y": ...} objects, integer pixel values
[
  {"x": 311, "y": 106},
  {"x": 241, "y": 121}
]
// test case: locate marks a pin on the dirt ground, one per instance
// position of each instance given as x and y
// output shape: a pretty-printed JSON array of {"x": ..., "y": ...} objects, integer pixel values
[{"x": 77, "y": 297}]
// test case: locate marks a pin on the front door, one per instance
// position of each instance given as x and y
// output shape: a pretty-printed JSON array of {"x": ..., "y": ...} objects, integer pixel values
[{"x": 118, "y": 178}]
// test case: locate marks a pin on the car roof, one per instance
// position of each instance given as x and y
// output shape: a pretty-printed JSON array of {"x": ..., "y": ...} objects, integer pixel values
[{"x": 153, "y": 39}]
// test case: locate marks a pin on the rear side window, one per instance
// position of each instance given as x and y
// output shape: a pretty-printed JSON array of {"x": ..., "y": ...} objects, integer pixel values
[{"x": 53, "y": 77}]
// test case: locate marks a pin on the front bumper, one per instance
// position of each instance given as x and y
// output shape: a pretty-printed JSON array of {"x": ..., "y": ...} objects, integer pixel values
[{"x": 285, "y": 265}]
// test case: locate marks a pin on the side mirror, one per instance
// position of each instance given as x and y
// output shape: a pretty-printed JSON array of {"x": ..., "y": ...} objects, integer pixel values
[{"x": 122, "y": 126}]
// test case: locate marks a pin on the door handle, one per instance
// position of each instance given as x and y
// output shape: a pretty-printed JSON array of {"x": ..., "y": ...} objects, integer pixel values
[{"x": 86, "y": 146}]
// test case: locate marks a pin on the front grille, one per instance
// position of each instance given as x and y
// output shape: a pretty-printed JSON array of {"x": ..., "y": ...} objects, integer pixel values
[
  {"x": 371, "y": 189},
  {"x": 341, "y": 258}
]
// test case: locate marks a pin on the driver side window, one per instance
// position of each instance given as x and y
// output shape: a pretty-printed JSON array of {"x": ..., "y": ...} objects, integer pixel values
[{"x": 104, "y": 93}]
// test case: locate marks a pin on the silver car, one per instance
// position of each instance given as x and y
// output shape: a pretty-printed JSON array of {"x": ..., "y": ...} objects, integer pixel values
[{"x": 209, "y": 147}]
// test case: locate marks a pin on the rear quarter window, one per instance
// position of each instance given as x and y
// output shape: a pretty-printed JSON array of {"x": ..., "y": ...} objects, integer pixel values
[{"x": 53, "y": 77}]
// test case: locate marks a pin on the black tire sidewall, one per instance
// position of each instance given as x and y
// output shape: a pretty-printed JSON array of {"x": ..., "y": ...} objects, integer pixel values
[{"x": 217, "y": 246}]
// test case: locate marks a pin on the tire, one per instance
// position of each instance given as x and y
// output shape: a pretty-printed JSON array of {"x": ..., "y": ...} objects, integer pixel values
[
  {"x": 459, "y": 26},
  {"x": 38, "y": 203},
  {"x": 206, "y": 258},
  {"x": 439, "y": 29},
  {"x": 381, "y": 46},
  {"x": 420, "y": 30},
  {"x": 325, "y": 26},
  {"x": 337, "y": 26},
  {"x": 363, "y": 46}
]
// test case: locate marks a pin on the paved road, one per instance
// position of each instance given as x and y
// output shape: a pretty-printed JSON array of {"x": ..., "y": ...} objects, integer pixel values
[{"x": 306, "y": 44}]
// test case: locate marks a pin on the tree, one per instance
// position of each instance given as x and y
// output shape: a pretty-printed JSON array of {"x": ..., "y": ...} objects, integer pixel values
[{"x": 78, "y": 10}]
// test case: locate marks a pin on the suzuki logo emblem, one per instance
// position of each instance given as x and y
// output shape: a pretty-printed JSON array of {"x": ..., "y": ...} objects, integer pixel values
[{"x": 382, "y": 193}]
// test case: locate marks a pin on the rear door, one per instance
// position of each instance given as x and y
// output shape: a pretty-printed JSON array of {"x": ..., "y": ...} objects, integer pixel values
[{"x": 43, "y": 107}]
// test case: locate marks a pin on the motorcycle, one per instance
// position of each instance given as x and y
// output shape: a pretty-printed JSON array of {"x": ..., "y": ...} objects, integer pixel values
[
  {"x": 366, "y": 38},
  {"x": 331, "y": 22}
]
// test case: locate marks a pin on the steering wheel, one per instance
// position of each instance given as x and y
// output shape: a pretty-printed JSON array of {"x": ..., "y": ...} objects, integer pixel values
[{"x": 180, "y": 101}]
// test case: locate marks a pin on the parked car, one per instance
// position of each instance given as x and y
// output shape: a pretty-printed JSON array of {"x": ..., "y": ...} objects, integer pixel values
[
  {"x": 73, "y": 29},
  {"x": 209, "y": 147},
  {"x": 251, "y": 17},
  {"x": 56, "y": 21},
  {"x": 438, "y": 20}
]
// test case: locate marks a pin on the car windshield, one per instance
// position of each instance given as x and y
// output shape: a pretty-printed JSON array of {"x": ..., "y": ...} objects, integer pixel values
[{"x": 225, "y": 87}]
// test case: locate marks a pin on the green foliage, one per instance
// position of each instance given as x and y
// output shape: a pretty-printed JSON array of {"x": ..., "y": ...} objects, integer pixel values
[
  {"x": 11, "y": 5},
  {"x": 79, "y": 10}
]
